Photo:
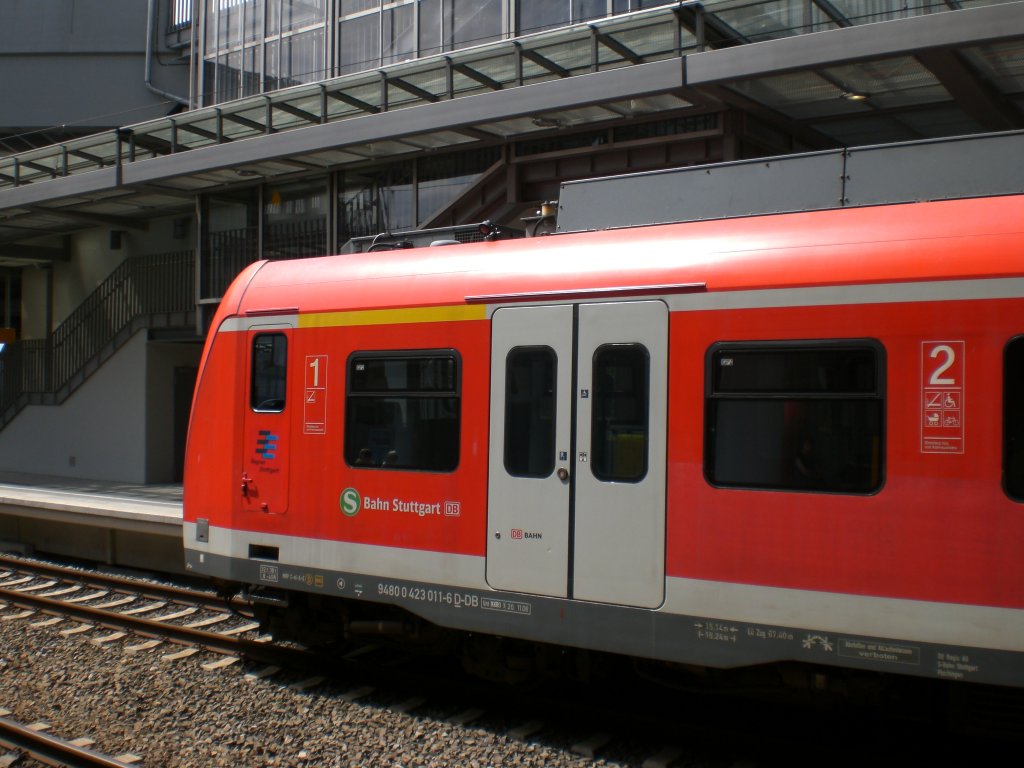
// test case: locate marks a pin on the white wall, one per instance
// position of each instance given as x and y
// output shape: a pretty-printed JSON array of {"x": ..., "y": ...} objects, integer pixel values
[
  {"x": 98, "y": 433},
  {"x": 161, "y": 360},
  {"x": 91, "y": 263},
  {"x": 33, "y": 303}
]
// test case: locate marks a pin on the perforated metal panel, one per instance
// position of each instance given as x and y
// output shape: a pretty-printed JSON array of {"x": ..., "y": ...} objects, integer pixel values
[{"x": 895, "y": 173}]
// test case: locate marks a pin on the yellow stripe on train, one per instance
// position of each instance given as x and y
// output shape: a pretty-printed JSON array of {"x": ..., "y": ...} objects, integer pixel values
[{"x": 445, "y": 314}]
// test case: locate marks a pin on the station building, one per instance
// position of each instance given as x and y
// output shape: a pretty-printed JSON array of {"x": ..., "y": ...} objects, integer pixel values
[{"x": 221, "y": 132}]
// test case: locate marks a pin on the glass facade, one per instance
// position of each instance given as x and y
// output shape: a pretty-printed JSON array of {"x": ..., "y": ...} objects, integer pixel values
[
  {"x": 407, "y": 194},
  {"x": 255, "y": 46},
  {"x": 258, "y": 46},
  {"x": 293, "y": 220}
]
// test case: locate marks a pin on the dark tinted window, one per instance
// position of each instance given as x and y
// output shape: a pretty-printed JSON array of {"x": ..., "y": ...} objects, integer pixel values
[
  {"x": 1013, "y": 419},
  {"x": 402, "y": 411},
  {"x": 530, "y": 377},
  {"x": 795, "y": 371},
  {"x": 620, "y": 410},
  {"x": 269, "y": 372},
  {"x": 801, "y": 417}
]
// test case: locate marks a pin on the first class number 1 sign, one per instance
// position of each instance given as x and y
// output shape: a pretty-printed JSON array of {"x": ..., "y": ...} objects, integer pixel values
[{"x": 942, "y": 397}]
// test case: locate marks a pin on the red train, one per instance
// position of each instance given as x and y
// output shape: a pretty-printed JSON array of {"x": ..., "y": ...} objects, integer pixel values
[{"x": 722, "y": 443}]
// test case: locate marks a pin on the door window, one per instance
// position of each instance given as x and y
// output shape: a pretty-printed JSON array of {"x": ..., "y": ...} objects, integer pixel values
[
  {"x": 269, "y": 372},
  {"x": 530, "y": 378},
  {"x": 620, "y": 413}
]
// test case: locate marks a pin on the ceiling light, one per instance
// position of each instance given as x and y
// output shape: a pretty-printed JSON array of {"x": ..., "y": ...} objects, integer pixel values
[{"x": 855, "y": 96}]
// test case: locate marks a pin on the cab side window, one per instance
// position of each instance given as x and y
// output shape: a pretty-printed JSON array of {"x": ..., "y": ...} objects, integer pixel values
[
  {"x": 795, "y": 416},
  {"x": 269, "y": 372},
  {"x": 402, "y": 410}
]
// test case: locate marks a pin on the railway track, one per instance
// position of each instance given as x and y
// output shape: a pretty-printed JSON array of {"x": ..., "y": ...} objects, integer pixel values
[
  {"x": 392, "y": 679},
  {"x": 159, "y": 613},
  {"x": 619, "y": 721},
  {"x": 34, "y": 742}
]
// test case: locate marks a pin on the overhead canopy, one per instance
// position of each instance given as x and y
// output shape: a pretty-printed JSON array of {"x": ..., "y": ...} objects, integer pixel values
[{"x": 814, "y": 70}]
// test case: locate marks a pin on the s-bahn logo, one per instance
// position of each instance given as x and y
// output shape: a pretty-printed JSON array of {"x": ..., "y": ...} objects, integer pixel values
[
  {"x": 266, "y": 444},
  {"x": 350, "y": 502}
]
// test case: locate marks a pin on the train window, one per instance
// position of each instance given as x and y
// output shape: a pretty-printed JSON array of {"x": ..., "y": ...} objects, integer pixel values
[
  {"x": 269, "y": 372},
  {"x": 530, "y": 374},
  {"x": 619, "y": 415},
  {"x": 795, "y": 416},
  {"x": 402, "y": 410},
  {"x": 1013, "y": 419}
]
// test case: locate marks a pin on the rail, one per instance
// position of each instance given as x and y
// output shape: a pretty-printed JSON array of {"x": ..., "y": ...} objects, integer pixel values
[
  {"x": 51, "y": 750},
  {"x": 142, "y": 292}
]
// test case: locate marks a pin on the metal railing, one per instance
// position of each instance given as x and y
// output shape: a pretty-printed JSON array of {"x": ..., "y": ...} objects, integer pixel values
[{"x": 140, "y": 288}]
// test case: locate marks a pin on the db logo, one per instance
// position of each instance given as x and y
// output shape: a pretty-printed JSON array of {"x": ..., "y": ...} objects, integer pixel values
[{"x": 517, "y": 533}]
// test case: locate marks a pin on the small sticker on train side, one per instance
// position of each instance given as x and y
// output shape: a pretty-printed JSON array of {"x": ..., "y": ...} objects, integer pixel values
[
  {"x": 943, "y": 365},
  {"x": 314, "y": 417}
]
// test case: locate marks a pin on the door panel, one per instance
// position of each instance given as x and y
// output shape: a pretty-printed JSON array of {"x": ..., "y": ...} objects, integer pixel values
[
  {"x": 619, "y": 531},
  {"x": 263, "y": 482},
  {"x": 528, "y": 503},
  {"x": 576, "y": 500}
]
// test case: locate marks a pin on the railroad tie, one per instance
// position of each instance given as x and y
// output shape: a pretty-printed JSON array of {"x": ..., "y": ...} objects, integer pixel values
[
  {"x": 408, "y": 705},
  {"x": 108, "y": 638},
  {"x": 64, "y": 591},
  {"x": 220, "y": 663},
  {"x": 589, "y": 747},
  {"x": 36, "y": 587},
  {"x": 115, "y": 603},
  {"x": 526, "y": 730},
  {"x": 465, "y": 717},
  {"x": 209, "y": 621},
  {"x": 18, "y": 616},
  {"x": 76, "y": 630},
  {"x": 241, "y": 629},
  {"x": 356, "y": 693},
  {"x": 183, "y": 654},
  {"x": 261, "y": 674},
  {"x": 309, "y": 682},
  {"x": 144, "y": 646},
  {"x": 87, "y": 597},
  {"x": 663, "y": 759}
]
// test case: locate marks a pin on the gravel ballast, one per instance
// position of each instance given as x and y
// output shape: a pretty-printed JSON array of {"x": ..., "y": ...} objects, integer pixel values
[{"x": 176, "y": 714}]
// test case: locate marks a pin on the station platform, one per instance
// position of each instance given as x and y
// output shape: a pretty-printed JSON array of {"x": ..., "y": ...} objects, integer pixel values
[{"x": 119, "y": 524}]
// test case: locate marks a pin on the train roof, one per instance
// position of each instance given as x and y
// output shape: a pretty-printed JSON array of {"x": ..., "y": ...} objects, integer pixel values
[{"x": 947, "y": 240}]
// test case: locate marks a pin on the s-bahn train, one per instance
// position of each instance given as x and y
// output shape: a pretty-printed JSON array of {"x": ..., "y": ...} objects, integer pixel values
[{"x": 793, "y": 437}]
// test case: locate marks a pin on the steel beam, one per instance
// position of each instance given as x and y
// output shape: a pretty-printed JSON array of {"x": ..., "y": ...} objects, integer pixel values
[
  {"x": 556, "y": 95},
  {"x": 901, "y": 37}
]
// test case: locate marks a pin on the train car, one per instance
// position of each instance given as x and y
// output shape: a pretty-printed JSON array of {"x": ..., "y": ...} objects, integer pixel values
[{"x": 794, "y": 437}]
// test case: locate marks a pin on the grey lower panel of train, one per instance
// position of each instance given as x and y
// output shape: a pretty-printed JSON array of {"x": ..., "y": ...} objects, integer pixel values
[{"x": 630, "y": 631}]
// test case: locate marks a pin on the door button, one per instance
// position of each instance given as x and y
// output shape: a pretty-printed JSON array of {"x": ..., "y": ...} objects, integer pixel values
[{"x": 563, "y": 474}]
